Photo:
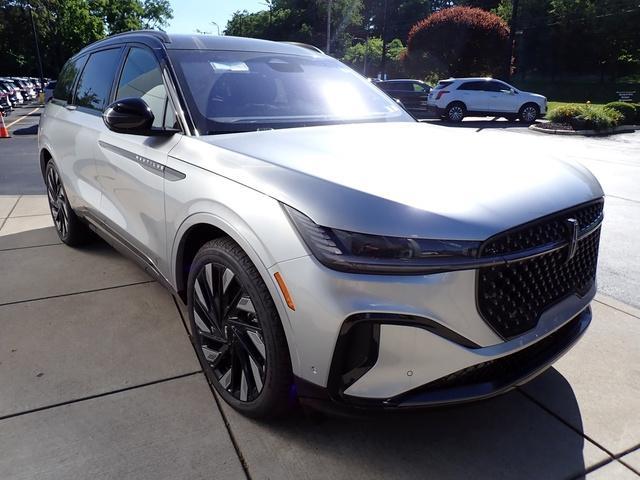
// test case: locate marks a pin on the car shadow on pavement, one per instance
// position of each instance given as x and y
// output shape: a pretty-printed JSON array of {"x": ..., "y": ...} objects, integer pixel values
[
  {"x": 506, "y": 437},
  {"x": 32, "y": 130}
]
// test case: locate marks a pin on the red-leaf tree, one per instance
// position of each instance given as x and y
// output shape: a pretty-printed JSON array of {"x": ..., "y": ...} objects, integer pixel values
[{"x": 459, "y": 41}]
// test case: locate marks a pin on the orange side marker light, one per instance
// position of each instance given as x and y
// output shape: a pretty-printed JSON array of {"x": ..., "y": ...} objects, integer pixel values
[{"x": 285, "y": 291}]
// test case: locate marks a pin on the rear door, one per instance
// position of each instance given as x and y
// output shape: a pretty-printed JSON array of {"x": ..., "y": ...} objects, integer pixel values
[
  {"x": 60, "y": 132},
  {"x": 92, "y": 92},
  {"x": 131, "y": 167},
  {"x": 474, "y": 95}
]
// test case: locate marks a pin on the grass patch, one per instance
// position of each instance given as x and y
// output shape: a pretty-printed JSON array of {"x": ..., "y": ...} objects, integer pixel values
[{"x": 553, "y": 105}]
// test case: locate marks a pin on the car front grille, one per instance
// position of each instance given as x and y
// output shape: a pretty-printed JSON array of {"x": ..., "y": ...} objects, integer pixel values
[{"x": 512, "y": 297}]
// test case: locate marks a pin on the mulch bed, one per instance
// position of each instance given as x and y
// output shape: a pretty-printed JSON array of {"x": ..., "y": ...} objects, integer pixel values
[{"x": 555, "y": 126}]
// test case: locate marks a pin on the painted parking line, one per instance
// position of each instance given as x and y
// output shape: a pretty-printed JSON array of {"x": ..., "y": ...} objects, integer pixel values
[{"x": 22, "y": 117}]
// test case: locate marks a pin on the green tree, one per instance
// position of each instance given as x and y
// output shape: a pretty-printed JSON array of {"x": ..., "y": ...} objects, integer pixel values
[
  {"x": 300, "y": 21},
  {"x": 355, "y": 56},
  {"x": 66, "y": 26}
]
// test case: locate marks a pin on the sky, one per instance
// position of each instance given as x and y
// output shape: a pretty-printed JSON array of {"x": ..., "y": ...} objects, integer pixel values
[{"x": 189, "y": 15}]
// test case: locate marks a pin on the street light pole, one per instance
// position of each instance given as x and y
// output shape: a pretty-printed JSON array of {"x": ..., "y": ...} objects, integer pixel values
[
  {"x": 35, "y": 36},
  {"x": 328, "y": 49}
]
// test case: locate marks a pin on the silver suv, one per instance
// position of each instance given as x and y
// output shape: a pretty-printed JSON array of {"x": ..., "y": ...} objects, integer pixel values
[{"x": 323, "y": 254}]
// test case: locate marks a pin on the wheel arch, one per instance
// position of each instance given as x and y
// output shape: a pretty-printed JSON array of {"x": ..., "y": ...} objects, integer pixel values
[
  {"x": 45, "y": 156},
  {"x": 200, "y": 228},
  {"x": 453, "y": 102},
  {"x": 529, "y": 102}
]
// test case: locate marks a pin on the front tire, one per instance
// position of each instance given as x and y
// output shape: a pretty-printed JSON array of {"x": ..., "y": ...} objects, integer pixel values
[
  {"x": 70, "y": 229},
  {"x": 529, "y": 113},
  {"x": 455, "y": 112},
  {"x": 237, "y": 332}
]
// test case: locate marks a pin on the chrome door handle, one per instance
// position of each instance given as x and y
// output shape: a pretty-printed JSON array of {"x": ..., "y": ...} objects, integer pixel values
[{"x": 70, "y": 107}]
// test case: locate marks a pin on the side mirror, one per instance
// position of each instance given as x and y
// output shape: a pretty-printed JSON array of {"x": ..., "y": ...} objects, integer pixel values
[
  {"x": 129, "y": 115},
  {"x": 513, "y": 91}
]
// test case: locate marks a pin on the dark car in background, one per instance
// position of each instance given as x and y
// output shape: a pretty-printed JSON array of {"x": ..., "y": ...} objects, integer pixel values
[{"x": 411, "y": 93}]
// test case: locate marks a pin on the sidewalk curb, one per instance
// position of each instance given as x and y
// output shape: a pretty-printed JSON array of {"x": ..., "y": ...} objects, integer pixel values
[
  {"x": 587, "y": 133},
  {"x": 617, "y": 304}
]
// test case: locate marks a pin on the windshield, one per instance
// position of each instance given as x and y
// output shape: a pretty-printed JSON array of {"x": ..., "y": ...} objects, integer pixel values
[{"x": 245, "y": 91}]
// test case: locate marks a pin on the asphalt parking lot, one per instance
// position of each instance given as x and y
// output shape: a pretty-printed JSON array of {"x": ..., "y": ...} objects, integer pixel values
[{"x": 99, "y": 380}]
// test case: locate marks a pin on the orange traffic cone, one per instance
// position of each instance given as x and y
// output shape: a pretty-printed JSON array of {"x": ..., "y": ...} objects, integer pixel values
[{"x": 4, "y": 133}]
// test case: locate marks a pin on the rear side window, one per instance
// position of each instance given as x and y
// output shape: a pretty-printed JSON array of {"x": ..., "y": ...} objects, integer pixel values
[
  {"x": 95, "y": 82},
  {"x": 141, "y": 77},
  {"x": 443, "y": 84},
  {"x": 475, "y": 86},
  {"x": 66, "y": 78},
  {"x": 418, "y": 87}
]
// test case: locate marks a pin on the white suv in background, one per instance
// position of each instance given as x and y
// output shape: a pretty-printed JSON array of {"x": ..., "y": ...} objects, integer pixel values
[{"x": 456, "y": 98}]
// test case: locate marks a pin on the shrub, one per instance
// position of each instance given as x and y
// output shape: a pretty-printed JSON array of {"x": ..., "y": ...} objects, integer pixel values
[
  {"x": 460, "y": 41},
  {"x": 564, "y": 113},
  {"x": 596, "y": 118},
  {"x": 586, "y": 117},
  {"x": 627, "y": 110}
]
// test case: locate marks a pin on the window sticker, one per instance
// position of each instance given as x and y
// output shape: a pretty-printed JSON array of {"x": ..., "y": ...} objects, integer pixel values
[{"x": 229, "y": 66}]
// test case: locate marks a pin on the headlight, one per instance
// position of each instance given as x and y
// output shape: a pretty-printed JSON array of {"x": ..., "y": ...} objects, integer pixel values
[{"x": 360, "y": 252}]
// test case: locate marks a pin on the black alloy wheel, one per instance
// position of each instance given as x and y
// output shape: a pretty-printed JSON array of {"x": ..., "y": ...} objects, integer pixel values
[
  {"x": 237, "y": 332},
  {"x": 69, "y": 227},
  {"x": 57, "y": 201}
]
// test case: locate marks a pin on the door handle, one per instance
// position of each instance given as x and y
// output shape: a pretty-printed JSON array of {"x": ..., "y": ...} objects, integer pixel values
[{"x": 70, "y": 107}]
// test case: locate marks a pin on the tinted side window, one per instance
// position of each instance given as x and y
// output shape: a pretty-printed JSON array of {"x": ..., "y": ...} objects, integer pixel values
[
  {"x": 66, "y": 78},
  {"x": 494, "y": 86},
  {"x": 442, "y": 84},
  {"x": 468, "y": 86},
  {"x": 418, "y": 87},
  {"x": 141, "y": 77},
  {"x": 95, "y": 82}
]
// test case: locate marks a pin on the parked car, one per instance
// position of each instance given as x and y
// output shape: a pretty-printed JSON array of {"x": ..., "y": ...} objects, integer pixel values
[
  {"x": 19, "y": 90},
  {"x": 323, "y": 253},
  {"x": 48, "y": 90},
  {"x": 5, "y": 100},
  {"x": 457, "y": 98},
  {"x": 14, "y": 92},
  {"x": 412, "y": 94}
]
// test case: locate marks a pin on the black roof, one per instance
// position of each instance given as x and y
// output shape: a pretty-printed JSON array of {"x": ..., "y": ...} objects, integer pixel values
[{"x": 158, "y": 39}]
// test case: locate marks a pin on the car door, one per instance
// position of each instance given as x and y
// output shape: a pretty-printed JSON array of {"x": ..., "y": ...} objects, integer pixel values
[
  {"x": 500, "y": 98},
  {"x": 65, "y": 137},
  {"x": 90, "y": 97},
  {"x": 131, "y": 167},
  {"x": 473, "y": 95}
]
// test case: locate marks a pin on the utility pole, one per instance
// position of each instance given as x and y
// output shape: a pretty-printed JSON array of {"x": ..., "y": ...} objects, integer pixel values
[
  {"x": 512, "y": 36},
  {"x": 35, "y": 36},
  {"x": 383, "y": 63},
  {"x": 328, "y": 49}
]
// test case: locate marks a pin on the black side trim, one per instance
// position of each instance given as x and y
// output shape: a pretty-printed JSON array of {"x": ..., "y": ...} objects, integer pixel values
[{"x": 125, "y": 248}]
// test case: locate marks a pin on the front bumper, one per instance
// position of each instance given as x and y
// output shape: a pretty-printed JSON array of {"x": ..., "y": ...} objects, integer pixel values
[{"x": 493, "y": 376}]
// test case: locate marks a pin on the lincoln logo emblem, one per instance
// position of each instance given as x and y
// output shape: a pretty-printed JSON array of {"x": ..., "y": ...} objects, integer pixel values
[{"x": 572, "y": 232}]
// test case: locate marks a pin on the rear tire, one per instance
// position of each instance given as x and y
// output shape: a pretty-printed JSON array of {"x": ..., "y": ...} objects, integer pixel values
[
  {"x": 455, "y": 112},
  {"x": 237, "y": 332},
  {"x": 69, "y": 227}
]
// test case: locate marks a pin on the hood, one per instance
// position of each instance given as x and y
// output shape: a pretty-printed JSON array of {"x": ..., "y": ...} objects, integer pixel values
[
  {"x": 405, "y": 179},
  {"x": 535, "y": 95}
]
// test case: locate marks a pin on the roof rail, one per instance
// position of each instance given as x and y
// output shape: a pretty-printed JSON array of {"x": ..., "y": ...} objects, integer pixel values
[
  {"x": 305, "y": 45},
  {"x": 157, "y": 33}
]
